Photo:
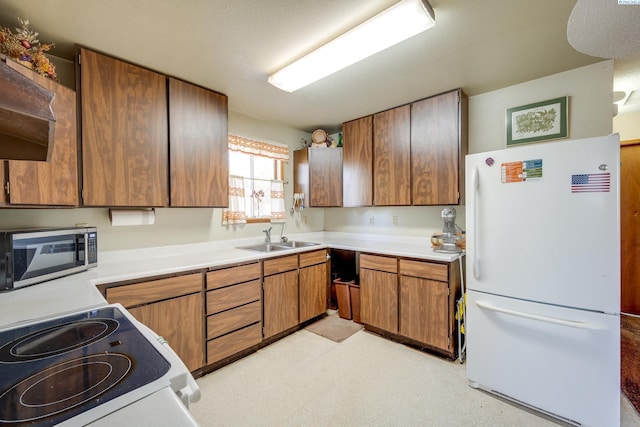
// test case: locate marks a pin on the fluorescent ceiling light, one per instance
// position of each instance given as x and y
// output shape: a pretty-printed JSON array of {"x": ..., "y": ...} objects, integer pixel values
[{"x": 401, "y": 21}]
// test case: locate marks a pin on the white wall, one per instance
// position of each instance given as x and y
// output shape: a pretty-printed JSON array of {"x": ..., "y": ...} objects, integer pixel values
[
  {"x": 178, "y": 225},
  {"x": 627, "y": 125},
  {"x": 590, "y": 90}
]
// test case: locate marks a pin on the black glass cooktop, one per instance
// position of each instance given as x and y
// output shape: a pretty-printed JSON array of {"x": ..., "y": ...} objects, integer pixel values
[{"x": 53, "y": 370}]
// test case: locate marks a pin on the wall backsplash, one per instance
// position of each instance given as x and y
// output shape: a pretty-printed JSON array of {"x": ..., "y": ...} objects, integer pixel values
[
  {"x": 173, "y": 226},
  {"x": 416, "y": 221}
]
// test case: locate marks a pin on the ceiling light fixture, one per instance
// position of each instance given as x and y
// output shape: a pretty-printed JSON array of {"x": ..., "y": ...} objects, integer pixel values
[{"x": 401, "y": 21}]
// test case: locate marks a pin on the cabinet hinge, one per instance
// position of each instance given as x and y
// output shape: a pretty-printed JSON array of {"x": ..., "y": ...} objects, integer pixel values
[
  {"x": 458, "y": 196},
  {"x": 448, "y": 342},
  {"x": 7, "y": 188}
]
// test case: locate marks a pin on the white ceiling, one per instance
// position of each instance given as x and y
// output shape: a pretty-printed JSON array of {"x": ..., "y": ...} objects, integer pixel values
[{"x": 231, "y": 46}]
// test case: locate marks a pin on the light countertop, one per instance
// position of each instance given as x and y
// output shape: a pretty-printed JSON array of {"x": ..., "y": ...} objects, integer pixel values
[{"x": 78, "y": 292}]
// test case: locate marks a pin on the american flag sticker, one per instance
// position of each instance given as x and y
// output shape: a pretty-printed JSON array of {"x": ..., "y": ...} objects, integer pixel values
[{"x": 591, "y": 183}]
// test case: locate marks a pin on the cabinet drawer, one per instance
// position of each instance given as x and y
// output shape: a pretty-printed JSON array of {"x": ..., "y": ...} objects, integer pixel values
[
  {"x": 229, "y": 276},
  {"x": 312, "y": 258},
  {"x": 155, "y": 290},
  {"x": 234, "y": 342},
  {"x": 223, "y": 299},
  {"x": 426, "y": 270},
  {"x": 280, "y": 265},
  {"x": 380, "y": 263},
  {"x": 236, "y": 318}
]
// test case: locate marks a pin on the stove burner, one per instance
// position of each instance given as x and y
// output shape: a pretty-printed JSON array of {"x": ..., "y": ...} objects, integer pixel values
[
  {"x": 56, "y": 340},
  {"x": 55, "y": 370},
  {"x": 64, "y": 386}
]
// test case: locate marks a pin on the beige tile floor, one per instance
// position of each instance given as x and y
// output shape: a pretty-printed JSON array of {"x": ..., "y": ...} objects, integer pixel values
[{"x": 307, "y": 380}]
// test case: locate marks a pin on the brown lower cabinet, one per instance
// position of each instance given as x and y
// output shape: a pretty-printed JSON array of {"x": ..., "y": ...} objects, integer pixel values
[
  {"x": 424, "y": 303},
  {"x": 281, "y": 294},
  {"x": 379, "y": 292},
  {"x": 172, "y": 307},
  {"x": 412, "y": 299},
  {"x": 234, "y": 310},
  {"x": 313, "y": 282}
]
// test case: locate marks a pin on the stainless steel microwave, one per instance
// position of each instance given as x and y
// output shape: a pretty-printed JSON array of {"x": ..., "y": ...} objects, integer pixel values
[{"x": 36, "y": 255}]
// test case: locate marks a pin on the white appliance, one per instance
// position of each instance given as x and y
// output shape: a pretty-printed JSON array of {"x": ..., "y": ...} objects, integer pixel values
[
  {"x": 98, "y": 366},
  {"x": 543, "y": 277}
]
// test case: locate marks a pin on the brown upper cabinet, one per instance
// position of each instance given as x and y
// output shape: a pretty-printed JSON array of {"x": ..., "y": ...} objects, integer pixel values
[
  {"x": 124, "y": 133},
  {"x": 199, "y": 165},
  {"x": 55, "y": 182},
  {"x": 418, "y": 154},
  {"x": 392, "y": 157},
  {"x": 317, "y": 172},
  {"x": 438, "y": 147},
  {"x": 357, "y": 162},
  {"x": 149, "y": 140}
]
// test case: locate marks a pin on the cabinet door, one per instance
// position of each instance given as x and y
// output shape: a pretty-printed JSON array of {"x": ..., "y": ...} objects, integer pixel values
[
  {"x": 198, "y": 146},
  {"x": 379, "y": 299},
  {"x": 424, "y": 311},
  {"x": 357, "y": 162},
  {"x": 124, "y": 133},
  {"x": 325, "y": 177},
  {"x": 55, "y": 182},
  {"x": 313, "y": 291},
  {"x": 180, "y": 321},
  {"x": 392, "y": 157},
  {"x": 280, "y": 302},
  {"x": 436, "y": 150},
  {"x": 301, "y": 173}
]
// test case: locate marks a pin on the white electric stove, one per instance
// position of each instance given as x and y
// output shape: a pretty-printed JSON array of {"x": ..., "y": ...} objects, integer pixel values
[{"x": 93, "y": 366}]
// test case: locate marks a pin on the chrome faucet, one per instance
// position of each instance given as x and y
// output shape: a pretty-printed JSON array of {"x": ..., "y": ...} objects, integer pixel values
[{"x": 267, "y": 236}]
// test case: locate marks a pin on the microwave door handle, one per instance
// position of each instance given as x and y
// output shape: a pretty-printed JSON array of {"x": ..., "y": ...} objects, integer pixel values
[{"x": 85, "y": 238}]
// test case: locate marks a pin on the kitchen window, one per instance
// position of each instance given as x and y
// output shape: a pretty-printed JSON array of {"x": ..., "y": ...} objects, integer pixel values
[{"x": 256, "y": 172}]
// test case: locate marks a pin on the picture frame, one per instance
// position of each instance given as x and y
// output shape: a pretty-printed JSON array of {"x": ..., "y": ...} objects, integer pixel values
[{"x": 540, "y": 121}]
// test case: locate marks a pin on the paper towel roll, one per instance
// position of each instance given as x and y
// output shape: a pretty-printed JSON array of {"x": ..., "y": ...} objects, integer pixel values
[{"x": 120, "y": 217}]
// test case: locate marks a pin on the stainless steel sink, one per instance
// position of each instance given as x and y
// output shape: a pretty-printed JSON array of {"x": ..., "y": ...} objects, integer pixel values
[
  {"x": 296, "y": 244},
  {"x": 271, "y": 247},
  {"x": 264, "y": 247}
]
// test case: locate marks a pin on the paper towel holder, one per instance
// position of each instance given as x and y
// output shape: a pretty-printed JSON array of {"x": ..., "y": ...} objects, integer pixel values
[{"x": 128, "y": 216}]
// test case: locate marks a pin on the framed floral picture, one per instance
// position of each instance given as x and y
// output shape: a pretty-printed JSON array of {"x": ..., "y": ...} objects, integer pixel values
[{"x": 540, "y": 121}]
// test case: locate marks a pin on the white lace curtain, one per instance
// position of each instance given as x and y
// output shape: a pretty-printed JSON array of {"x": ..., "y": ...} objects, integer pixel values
[
  {"x": 259, "y": 148},
  {"x": 236, "y": 212},
  {"x": 277, "y": 201}
]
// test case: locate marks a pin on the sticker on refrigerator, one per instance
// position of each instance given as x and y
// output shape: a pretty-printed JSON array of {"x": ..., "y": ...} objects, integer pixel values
[
  {"x": 591, "y": 183},
  {"x": 525, "y": 170}
]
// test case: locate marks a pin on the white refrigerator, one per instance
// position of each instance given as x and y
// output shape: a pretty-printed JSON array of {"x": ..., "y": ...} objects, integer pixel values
[{"x": 543, "y": 277}]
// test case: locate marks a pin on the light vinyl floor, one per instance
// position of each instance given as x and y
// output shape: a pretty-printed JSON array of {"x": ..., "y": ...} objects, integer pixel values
[{"x": 307, "y": 380}]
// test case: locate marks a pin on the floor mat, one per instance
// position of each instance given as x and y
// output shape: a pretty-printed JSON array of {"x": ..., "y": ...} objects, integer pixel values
[
  {"x": 630, "y": 364},
  {"x": 334, "y": 328}
]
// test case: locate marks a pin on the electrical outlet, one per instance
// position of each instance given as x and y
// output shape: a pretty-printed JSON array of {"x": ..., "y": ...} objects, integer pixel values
[
  {"x": 395, "y": 219},
  {"x": 371, "y": 220},
  {"x": 304, "y": 219}
]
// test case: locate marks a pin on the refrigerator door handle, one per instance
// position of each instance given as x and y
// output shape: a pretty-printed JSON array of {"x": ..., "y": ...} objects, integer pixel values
[
  {"x": 571, "y": 323},
  {"x": 475, "y": 183}
]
